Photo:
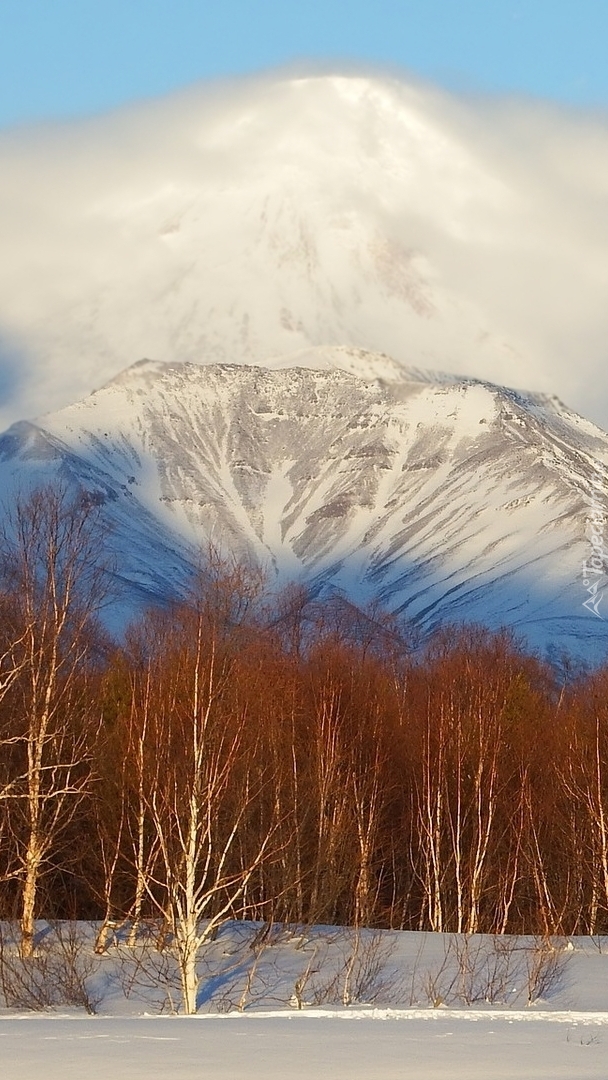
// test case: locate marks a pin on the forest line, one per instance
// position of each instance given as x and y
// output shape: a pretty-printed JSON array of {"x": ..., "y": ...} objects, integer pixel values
[{"x": 250, "y": 755}]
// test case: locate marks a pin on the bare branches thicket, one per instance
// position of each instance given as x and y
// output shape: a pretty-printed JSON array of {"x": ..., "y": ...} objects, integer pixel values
[
  {"x": 60, "y": 972},
  {"x": 494, "y": 969}
]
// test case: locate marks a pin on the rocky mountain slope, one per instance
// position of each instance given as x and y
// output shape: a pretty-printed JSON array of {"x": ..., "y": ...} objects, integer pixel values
[{"x": 447, "y": 500}]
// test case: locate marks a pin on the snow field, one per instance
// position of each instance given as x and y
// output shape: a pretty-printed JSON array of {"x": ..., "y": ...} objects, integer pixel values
[
  {"x": 301, "y": 1046},
  {"x": 249, "y": 1026}
]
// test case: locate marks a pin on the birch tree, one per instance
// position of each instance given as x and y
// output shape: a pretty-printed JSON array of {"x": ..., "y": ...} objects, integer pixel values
[
  {"x": 202, "y": 782},
  {"x": 50, "y": 567}
]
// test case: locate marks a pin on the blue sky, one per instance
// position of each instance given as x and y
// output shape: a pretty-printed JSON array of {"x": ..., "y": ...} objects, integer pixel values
[{"x": 61, "y": 58}]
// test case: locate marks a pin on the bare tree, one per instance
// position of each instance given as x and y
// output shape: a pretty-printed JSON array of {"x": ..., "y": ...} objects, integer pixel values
[
  {"x": 202, "y": 784},
  {"x": 584, "y": 776},
  {"x": 51, "y": 573}
]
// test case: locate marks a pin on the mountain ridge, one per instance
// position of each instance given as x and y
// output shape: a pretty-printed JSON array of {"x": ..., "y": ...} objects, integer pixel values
[{"x": 445, "y": 501}]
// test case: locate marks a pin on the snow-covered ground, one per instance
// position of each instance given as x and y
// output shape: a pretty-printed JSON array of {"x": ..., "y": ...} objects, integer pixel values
[
  {"x": 300, "y": 1046},
  {"x": 249, "y": 1025}
]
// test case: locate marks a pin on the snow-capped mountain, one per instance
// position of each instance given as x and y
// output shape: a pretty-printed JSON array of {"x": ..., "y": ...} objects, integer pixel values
[
  {"x": 236, "y": 224},
  {"x": 447, "y": 500}
]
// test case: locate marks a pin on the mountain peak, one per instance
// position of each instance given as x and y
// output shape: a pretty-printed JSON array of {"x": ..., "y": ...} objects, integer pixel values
[{"x": 295, "y": 213}]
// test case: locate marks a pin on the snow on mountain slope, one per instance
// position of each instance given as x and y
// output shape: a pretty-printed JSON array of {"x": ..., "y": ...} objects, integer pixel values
[
  {"x": 232, "y": 224},
  {"x": 446, "y": 500}
]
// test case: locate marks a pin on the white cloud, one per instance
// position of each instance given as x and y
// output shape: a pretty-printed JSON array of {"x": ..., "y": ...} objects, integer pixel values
[{"x": 243, "y": 221}]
